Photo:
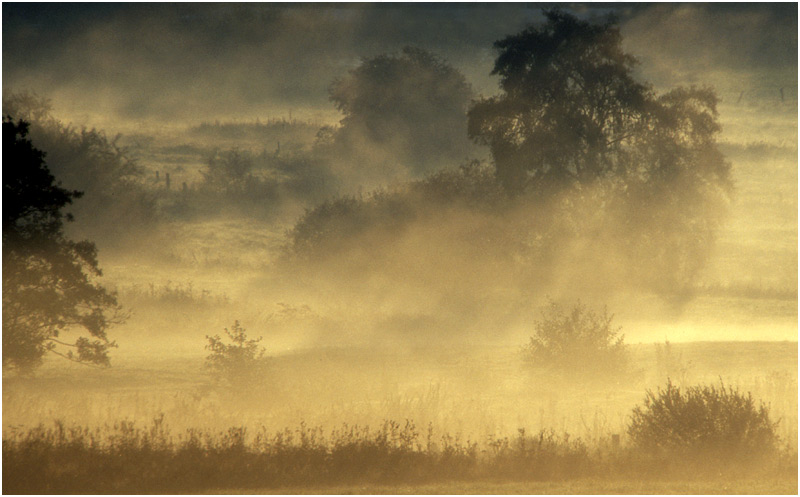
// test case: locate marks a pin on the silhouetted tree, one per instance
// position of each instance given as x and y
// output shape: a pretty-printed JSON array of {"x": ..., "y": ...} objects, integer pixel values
[
  {"x": 572, "y": 122},
  {"x": 571, "y": 112},
  {"x": 412, "y": 105},
  {"x": 47, "y": 278}
]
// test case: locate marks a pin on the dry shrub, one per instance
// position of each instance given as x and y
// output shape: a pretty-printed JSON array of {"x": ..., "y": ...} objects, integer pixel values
[{"x": 703, "y": 422}]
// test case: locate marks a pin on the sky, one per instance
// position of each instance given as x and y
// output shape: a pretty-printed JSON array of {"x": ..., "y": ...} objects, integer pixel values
[{"x": 109, "y": 63}]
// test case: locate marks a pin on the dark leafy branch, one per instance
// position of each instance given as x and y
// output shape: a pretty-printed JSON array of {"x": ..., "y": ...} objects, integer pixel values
[{"x": 49, "y": 285}]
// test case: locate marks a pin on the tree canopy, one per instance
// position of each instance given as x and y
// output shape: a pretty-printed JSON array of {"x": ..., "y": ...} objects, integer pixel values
[
  {"x": 572, "y": 124},
  {"x": 597, "y": 181},
  {"x": 571, "y": 113},
  {"x": 48, "y": 280},
  {"x": 413, "y": 104}
]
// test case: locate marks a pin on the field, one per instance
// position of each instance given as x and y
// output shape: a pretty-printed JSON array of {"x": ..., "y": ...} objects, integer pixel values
[
  {"x": 336, "y": 365},
  {"x": 396, "y": 295},
  {"x": 577, "y": 487},
  {"x": 334, "y": 368},
  {"x": 463, "y": 407}
]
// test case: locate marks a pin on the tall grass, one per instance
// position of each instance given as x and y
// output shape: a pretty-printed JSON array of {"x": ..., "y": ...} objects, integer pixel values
[{"x": 124, "y": 458}]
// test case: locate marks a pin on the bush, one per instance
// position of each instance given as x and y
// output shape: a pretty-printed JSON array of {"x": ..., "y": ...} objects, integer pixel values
[
  {"x": 709, "y": 421},
  {"x": 340, "y": 224},
  {"x": 228, "y": 171},
  {"x": 578, "y": 341},
  {"x": 239, "y": 362}
]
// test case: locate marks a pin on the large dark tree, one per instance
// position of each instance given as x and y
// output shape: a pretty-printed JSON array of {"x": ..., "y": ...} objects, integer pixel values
[
  {"x": 572, "y": 112},
  {"x": 573, "y": 125},
  {"x": 49, "y": 291}
]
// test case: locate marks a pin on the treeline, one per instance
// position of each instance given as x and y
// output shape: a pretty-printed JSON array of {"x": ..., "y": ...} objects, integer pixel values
[
  {"x": 585, "y": 163},
  {"x": 399, "y": 124},
  {"x": 595, "y": 180}
]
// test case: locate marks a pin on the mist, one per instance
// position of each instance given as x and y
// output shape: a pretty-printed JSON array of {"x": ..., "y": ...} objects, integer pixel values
[{"x": 335, "y": 216}]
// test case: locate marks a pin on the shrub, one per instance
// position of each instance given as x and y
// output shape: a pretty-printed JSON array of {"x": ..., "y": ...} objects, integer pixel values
[
  {"x": 717, "y": 422},
  {"x": 340, "y": 224},
  {"x": 578, "y": 341},
  {"x": 228, "y": 171},
  {"x": 238, "y": 362}
]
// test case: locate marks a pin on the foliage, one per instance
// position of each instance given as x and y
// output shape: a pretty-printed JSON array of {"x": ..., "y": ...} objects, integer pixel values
[
  {"x": 571, "y": 113},
  {"x": 172, "y": 295},
  {"x": 240, "y": 361},
  {"x": 706, "y": 421},
  {"x": 412, "y": 105},
  {"x": 335, "y": 224},
  {"x": 577, "y": 341},
  {"x": 229, "y": 170},
  {"x": 286, "y": 131},
  {"x": 471, "y": 185},
  {"x": 338, "y": 223},
  {"x": 584, "y": 156},
  {"x": 87, "y": 160},
  {"x": 48, "y": 285},
  {"x": 259, "y": 183},
  {"x": 572, "y": 122}
]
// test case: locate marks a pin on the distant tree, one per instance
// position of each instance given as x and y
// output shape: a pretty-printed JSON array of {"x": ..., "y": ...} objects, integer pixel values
[
  {"x": 412, "y": 105},
  {"x": 572, "y": 119},
  {"x": 596, "y": 181},
  {"x": 568, "y": 104},
  {"x": 577, "y": 341},
  {"x": 48, "y": 286}
]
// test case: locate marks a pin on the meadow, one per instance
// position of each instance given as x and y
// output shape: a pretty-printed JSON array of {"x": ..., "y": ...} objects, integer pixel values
[
  {"x": 362, "y": 418},
  {"x": 394, "y": 355},
  {"x": 363, "y": 400},
  {"x": 353, "y": 402}
]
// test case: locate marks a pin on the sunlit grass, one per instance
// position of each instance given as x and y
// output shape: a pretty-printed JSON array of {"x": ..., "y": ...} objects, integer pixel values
[
  {"x": 122, "y": 457},
  {"x": 478, "y": 394}
]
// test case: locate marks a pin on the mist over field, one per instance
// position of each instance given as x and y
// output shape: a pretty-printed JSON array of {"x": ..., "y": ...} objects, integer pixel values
[{"x": 328, "y": 216}]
